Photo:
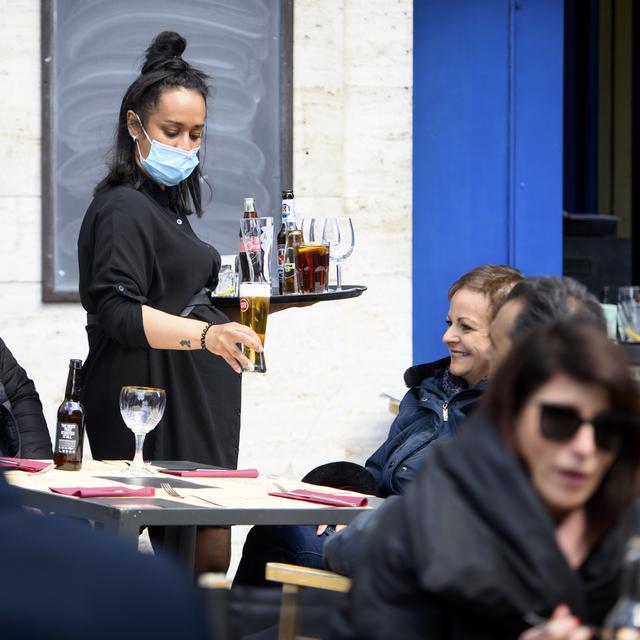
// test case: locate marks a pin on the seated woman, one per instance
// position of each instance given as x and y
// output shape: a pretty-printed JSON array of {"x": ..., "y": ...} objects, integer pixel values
[
  {"x": 524, "y": 516},
  {"x": 440, "y": 396},
  {"x": 23, "y": 429}
]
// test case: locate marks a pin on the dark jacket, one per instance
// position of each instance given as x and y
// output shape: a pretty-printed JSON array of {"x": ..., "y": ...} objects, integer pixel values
[
  {"x": 65, "y": 580},
  {"x": 469, "y": 550},
  {"x": 23, "y": 429},
  {"x": 426, "y": 414}
]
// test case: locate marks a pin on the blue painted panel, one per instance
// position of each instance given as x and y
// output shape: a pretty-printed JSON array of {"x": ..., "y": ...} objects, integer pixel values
[
  {"x": 538, "y": 136},
  {"x": 480, "y": 124}
]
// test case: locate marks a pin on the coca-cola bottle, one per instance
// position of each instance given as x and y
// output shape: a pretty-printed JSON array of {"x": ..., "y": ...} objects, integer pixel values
[{"x": 249, "y": 212}]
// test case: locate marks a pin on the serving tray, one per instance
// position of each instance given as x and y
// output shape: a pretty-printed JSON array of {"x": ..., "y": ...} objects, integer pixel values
[{"x": 347, "y": 291}]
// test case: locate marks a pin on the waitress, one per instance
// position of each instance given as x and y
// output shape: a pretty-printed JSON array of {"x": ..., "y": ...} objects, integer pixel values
[{"x": 140, "y": 263}]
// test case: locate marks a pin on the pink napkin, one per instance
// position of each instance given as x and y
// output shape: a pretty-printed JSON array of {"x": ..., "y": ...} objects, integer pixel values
[
  {"x": 22, "y": 464},
  {"x": 104, "y": 492},
  {"x": 212, "y": 473},
  {"x": 320, "y": 497}
]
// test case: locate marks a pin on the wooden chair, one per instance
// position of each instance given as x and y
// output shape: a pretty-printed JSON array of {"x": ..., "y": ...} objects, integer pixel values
[{"x": 294, "y": 579}]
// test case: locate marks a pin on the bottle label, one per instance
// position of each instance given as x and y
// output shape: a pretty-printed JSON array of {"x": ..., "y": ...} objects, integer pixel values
[
  {"x": 67, "y": 439},
  {"x": 252, "y": 244},
  {"x": 288, "y": 210},
  {"x": 280, "y": 263}
]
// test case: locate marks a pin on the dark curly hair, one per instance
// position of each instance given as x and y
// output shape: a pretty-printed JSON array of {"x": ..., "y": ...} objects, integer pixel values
[{"x": 163, "y": 68}]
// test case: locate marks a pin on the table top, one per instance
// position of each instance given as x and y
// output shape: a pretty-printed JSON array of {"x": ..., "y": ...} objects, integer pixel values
[{"x": 235, "y": 500}]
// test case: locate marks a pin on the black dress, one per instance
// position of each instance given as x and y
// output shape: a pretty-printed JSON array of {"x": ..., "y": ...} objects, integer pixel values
[{"x": 133, "y": 249}]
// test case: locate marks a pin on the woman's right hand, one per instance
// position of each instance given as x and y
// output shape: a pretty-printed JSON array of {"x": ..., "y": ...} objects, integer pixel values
[
  {"x": 560, "y": 626},
  {"x": 224, "y": 340}
]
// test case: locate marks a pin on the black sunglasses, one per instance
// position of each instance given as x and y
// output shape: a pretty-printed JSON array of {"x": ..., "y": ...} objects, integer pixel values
[{"x": 560, "y": 423}]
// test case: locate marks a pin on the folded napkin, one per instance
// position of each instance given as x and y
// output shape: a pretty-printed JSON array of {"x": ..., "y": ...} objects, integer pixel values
[
  {"x": 212, "y": 473},
  {"x": 104, "y": 492},
  {"x": 22, "y": 464},
  {"x": 335, "y": 500}
]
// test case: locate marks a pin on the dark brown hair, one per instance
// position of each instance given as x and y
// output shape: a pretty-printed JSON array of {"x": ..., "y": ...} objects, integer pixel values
[
  {"x": 493, "y": 280},
  {"x": 586, "y": 355},
  {"x": 548, "y": 299},
  {"x": 163, "y": 69}
]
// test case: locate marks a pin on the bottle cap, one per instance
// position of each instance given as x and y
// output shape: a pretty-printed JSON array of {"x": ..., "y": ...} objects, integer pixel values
[
  {"x": 75, "y": 364},
  {"x": 249, "y": 204}
]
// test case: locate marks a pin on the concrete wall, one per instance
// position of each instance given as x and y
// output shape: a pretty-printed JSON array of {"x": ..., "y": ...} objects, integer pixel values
[{"x": 327, "y": 363}]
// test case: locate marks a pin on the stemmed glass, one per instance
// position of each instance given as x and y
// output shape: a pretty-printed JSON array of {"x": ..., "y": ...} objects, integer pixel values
[
  {"x": 338, "y": 232},
  {"x": 141, "y": 409}
]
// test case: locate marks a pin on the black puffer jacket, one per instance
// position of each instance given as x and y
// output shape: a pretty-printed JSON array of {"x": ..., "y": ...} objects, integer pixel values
[
  {"x": 23, "y": 429},
  {"x": 469, "y": 550}
]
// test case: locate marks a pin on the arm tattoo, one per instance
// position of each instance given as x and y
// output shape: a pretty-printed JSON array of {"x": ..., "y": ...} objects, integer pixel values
[{"x": 185, "y": 343}]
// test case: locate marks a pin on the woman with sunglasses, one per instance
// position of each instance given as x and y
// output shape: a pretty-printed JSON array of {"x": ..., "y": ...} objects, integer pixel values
[{"x": 516, "y": 529}]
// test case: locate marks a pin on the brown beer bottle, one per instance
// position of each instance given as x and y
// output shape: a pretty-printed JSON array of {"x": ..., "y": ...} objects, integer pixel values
[
  {"x": 249, "y": 212},
  {"x": 70, "y": 425},
  {"x": 288, "y": 214}
]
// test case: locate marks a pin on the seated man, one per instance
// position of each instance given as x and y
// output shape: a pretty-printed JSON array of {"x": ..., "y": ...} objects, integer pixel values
[
  {"x": 441, "y": 394},
  {"x": 532, "y": 303},
  {"x": 23, "y": 429}
]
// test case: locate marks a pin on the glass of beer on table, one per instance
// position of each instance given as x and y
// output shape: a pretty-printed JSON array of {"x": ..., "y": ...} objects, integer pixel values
[{"x": 255, "y": 292}]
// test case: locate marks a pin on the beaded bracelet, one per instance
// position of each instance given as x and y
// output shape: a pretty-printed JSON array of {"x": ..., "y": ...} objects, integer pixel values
[{"x": 204, "y": 335}]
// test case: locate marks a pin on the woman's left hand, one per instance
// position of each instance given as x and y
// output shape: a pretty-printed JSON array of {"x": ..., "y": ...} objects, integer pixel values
[{"x": 562, "y": 625}]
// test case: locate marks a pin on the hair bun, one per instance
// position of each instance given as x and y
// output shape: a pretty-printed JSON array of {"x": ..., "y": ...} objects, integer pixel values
[{"x": 166, "y": 46}]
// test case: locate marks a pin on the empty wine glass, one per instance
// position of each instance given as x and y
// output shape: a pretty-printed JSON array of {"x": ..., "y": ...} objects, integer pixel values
[
  {"x": 141, "y": 409},
  {"x": 338, "y": 232}
]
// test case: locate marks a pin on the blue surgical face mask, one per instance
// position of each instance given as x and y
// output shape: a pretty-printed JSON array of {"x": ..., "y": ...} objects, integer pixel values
[{"x": 165, "y": 164}]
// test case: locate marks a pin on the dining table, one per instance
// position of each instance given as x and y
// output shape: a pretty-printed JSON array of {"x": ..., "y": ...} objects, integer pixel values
[{"x": 206, "y": 496}]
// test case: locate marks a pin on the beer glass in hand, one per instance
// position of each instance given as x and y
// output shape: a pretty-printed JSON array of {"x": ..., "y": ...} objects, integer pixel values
[
  {"x": 255, "y": 293},
  {"x": 338, "y": 232},
  {"x": 141, "y": 409}
]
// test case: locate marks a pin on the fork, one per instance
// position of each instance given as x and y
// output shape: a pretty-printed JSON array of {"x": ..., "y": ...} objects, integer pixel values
[
  {"x": 168, "y": 489},
  {"x": 43, "y": 470}
]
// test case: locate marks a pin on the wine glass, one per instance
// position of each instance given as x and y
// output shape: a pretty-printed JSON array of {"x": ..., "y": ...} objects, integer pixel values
[
  {"x": 141, "y": 409},
  {"x": 338, "y": 232}
]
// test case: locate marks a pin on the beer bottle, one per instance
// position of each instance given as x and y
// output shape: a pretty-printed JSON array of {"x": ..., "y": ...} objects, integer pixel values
[
  {"x": 249, "y": 212},
  {"x": 290, "y": 279},
  {"x": 70, "y": 425},
  {"x": 288, "y": 214},
  {"x": 623, "y": 622}
]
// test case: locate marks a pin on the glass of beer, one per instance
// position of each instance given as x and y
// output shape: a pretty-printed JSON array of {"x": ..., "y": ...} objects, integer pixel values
[
  {"x": 255, "y": 292},
  {"x": 629, "y": 314}
]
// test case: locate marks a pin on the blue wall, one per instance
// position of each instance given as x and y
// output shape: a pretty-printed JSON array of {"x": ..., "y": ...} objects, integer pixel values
[{"x": 487, "y": 154}]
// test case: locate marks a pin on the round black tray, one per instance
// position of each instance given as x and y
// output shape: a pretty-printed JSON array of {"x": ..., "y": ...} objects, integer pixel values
[{"x": 347, "y": 291}]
